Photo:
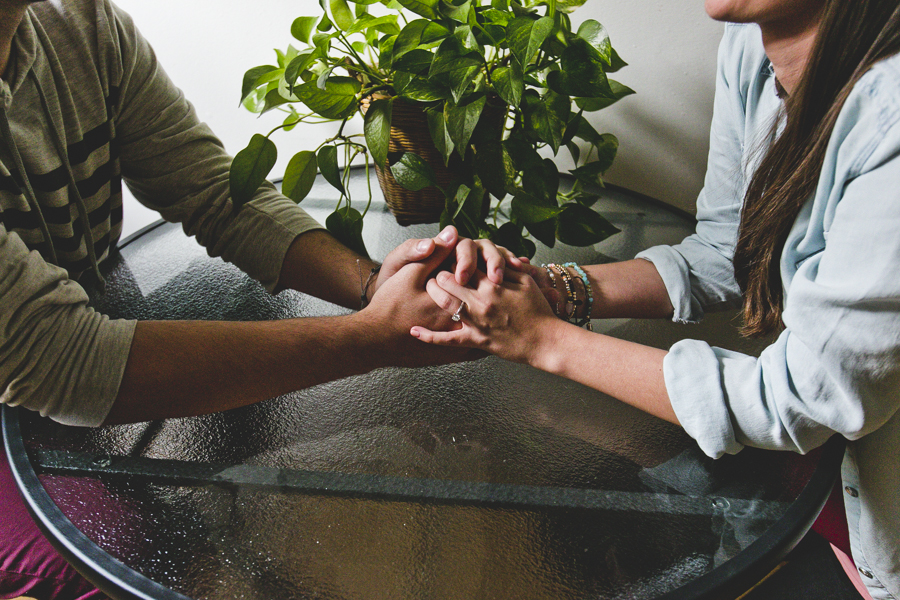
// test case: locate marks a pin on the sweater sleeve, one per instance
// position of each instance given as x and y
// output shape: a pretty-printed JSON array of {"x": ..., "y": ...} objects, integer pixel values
[
  {"x": 174, "y": 164},
  {"x": 57, "y": 355}
]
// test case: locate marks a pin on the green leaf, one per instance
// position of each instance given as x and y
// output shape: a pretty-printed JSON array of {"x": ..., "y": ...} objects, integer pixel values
[
  {"x": 385, "y": 24},
  {"x": 591, "y": 173},
  {"x": 542, "y": 180},
  {"x": 437, "y": 126},
  {"x": 467, "y": 39},
  {"x": 462, "y": 193},
  {"x": 460, "y": 80},
  {"x": 302, "y": 27},
  {"x": 422, "y": 90},
  {"x": 274, "y": 98},
  {"x": 285, "y": 57},
  {"x": 581, "y": 73},
  {"x": 575, "y": 151},
  {"x": 509, "y": 83},
  {"x": 451, "y": 56},
  {"x": 492, "y": 16},
  {"x": 581, "y": 226},
  {"x": 586, "y": 199},
  {"x": 386, "y": 52},
  {"x": 346, "y": 224},
  {"x": 547, "y": 116},
  {"x": 544, "y": 231},
  {"x": 494, "y": 167},
  {"x": 594, "y": 104},
  {"x": 617, "y": 62},
  {"x": 410, "y": 171},
  {"x": 586, "y": 131},
  {"x": 324, "y": 24},
  {"x": 420, "y": 32},
  {"x": 341, "y": 15},
  {"x": 597, "y": 38},
  {"x": 531, "y": 209},
  {"x": 459, "y": 12},
  {"x": 336, "y": 101},
  {"x": 607, "y": 147},
  {"x": 250, "y": 167},
  {"x": 416, "y": 61},
  {"x": 461, "y": 121},
  {"x": 377, "y": 127},
  {"x": 256, "y": 77},
  {"x": 509, "y": 235},
  {"x": 291, "y": 120},
  {"x": 299, "y": 175},
  {"x": 522, "y": 153},
  {"x": 567, "y": 6},
  {"x": 328, "y": 166},
  {"x": 424, "y": 8},
  {"x": 526, "y": 35},
  {"x": 299, "y": 64}
]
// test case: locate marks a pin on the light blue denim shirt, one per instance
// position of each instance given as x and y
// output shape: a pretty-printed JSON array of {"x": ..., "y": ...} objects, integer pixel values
[{"x": 836, "y": 367}]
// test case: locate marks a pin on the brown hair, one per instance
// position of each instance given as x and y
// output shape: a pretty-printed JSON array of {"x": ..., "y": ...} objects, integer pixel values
[{"x": 853, "y": 36}]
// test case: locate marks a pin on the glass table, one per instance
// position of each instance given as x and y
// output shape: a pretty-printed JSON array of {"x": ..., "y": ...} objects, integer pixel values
[{"x": 479, "y": 480}]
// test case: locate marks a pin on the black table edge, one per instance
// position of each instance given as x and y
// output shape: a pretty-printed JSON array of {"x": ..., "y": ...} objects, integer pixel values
[
  {"x": 112, "y": 577},
  {"x": 738, "y": 575},
  {"x": 729, "y": 580}
]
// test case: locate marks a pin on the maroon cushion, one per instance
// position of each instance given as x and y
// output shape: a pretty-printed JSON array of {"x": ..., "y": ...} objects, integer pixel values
[{"x": 29, "y": 565}]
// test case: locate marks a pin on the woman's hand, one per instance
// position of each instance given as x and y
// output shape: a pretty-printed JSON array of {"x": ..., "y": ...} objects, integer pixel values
[
  {"x": 512, "y": 320},
  {"x": 468, "y": 255},
  {"x": 401, "y": 303}
]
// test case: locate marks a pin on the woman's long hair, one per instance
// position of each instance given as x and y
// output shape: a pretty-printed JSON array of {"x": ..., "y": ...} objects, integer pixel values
[{"x": 853, "y": 36}]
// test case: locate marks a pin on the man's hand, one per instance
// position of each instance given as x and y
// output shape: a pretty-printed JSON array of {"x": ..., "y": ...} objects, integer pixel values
[
  {"x": 402, "y": 302},
  {"x": 465, "y": 258}
]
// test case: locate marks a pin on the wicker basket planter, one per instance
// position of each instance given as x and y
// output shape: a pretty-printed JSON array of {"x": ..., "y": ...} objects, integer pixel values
[{"x": 409, "y": 133}]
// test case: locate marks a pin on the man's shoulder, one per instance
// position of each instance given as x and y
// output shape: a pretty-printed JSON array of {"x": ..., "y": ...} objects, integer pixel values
[{"x": 73, "y": 16}]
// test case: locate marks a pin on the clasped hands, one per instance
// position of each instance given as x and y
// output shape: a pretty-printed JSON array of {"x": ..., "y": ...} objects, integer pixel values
[{"x": 422, "y": 282}]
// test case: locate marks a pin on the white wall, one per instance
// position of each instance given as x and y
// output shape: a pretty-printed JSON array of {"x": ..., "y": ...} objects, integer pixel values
[{"x": 206, "y": 45}]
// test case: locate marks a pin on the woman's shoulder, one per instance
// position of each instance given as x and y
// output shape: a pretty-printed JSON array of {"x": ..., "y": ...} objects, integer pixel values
[
  {"x": 743, "y": 66},
  {"x": 869, "y": 121}
]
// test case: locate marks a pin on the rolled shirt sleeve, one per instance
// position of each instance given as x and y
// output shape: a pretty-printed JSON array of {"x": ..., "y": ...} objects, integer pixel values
[{"x": 836, "y": 366}]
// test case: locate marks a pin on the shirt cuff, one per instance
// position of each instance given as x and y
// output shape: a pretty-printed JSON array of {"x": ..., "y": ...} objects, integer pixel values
[
  {"x": 694, "y": 384},
  {"x": 674, "y": 271}
]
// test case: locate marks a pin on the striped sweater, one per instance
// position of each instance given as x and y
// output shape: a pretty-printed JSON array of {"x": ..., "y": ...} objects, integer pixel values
[{"x": 85, "y": 105}]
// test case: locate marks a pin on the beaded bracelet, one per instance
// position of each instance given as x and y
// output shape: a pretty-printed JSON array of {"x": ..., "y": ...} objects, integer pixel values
[
  {"x": 589, "y": 295},
  {"x": 552, "y": 277},
  {"x": 570, "y": 295}
]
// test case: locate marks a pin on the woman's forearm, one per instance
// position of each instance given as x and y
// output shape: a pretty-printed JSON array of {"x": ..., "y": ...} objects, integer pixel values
[
  {"x": 632, "y": 288},
  {"x": 630, "y": 372}
]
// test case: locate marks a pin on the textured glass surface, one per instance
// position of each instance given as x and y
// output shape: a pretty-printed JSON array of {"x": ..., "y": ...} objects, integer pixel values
[{"x": 482, "y": 480}]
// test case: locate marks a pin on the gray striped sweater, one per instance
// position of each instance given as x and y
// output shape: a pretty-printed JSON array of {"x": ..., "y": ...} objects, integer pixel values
[{"x": 84, "y": 106}]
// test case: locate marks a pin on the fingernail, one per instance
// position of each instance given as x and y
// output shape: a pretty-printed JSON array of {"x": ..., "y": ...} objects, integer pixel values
[
  {"x": 422, "y": 246},
  {"x": 414, "y": 332},
  {"x": 444, "y": 277},
  {"x": 447, "y": 234}
]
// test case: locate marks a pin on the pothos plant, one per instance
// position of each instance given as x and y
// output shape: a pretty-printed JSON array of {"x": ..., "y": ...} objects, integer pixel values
[{"x": 501, "y": 83}]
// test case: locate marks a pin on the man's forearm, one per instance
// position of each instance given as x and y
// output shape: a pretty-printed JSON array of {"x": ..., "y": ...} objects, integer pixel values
[
  {"x": 186, "y": 368},
  {"x": 317, "y": 264}
]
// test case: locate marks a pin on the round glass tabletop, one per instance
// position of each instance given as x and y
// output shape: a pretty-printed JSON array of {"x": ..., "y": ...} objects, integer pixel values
[{"x": 479, "y": 480}]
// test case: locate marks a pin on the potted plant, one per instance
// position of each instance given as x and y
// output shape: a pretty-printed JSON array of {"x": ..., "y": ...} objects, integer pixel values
[{"x": 499, "y": 83}]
